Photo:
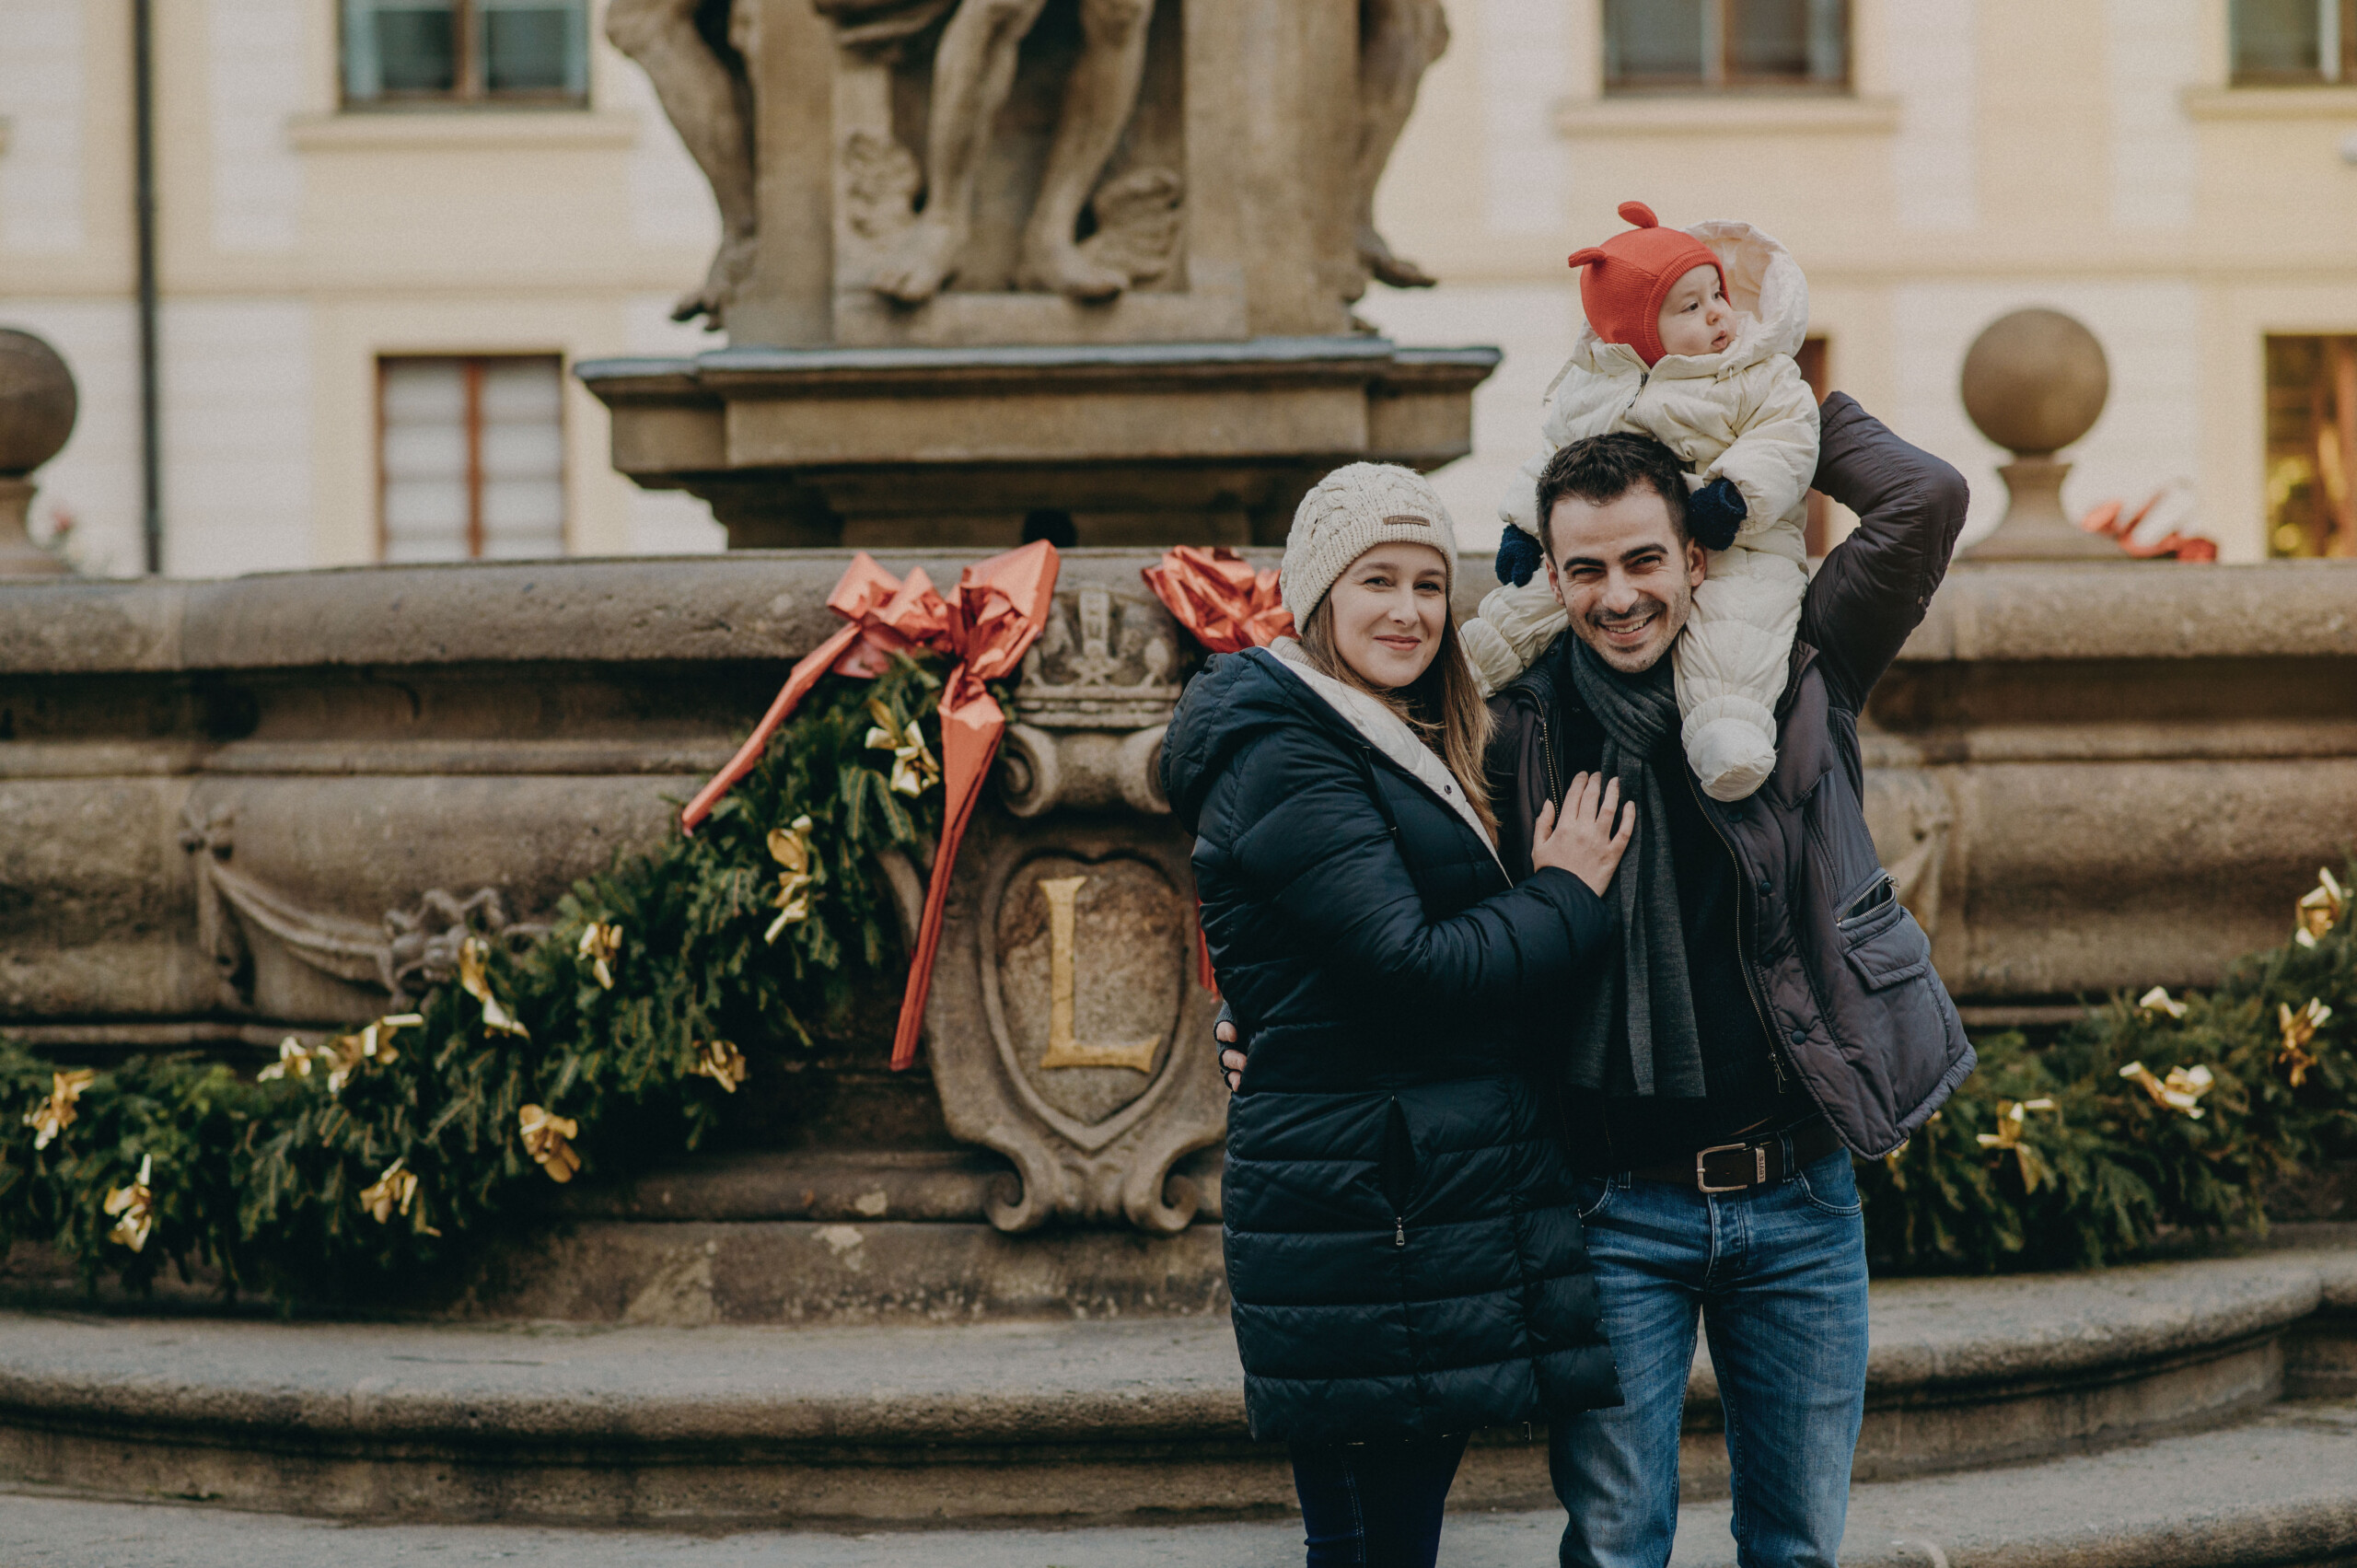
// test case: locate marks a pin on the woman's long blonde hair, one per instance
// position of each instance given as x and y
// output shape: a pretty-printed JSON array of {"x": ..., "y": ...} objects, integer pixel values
[{"x": 1443, "y": 706}]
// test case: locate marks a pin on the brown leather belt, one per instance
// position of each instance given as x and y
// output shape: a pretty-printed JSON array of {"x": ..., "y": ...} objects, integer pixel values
[{"x": 1739, "y": 1167}]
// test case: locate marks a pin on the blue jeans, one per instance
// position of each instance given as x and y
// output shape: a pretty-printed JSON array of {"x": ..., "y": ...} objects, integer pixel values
[
  {"x": 1375, "y": 1505},
  {"x": 1779, "y": 1279}
]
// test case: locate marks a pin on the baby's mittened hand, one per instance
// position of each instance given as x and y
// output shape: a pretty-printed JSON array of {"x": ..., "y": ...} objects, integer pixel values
[
  {"x": 1713, "y": 514},
  {"x": 1519, "y": 555}
]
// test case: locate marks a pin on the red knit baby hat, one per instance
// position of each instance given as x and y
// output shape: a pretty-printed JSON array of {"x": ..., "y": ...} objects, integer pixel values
[{"x": 1630, "y": 274}]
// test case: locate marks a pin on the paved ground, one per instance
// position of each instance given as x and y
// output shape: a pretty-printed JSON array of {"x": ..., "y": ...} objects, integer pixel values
[{"x": 2281, "y": 1490}]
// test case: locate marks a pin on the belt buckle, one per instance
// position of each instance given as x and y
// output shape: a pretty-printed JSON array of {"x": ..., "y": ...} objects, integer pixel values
[{"x": 1701, "y": 1172}]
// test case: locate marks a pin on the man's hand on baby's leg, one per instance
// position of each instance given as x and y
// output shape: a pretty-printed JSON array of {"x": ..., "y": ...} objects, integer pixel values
[
  {"x": 1519, "y": 555},
  {"x": 1715, "y": 514}
]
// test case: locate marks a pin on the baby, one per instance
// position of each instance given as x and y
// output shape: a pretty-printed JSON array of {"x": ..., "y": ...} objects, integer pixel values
[{"x": 1691, "y": 340}]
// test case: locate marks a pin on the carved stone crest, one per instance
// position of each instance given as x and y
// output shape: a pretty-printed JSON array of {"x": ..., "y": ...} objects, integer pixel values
[{"x": 1093, "y": 1070}]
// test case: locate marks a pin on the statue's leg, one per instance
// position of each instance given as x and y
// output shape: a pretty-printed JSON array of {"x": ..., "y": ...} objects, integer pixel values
[
  {"x": 1098, "y": 100},
  {"x": 973, "y": 70},
  {"x": 707, "y": 105},
  {"x": 1398, "y": 41}
]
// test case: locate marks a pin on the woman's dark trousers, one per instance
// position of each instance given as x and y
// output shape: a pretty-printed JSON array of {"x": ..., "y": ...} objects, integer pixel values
[{"x": 1375, "y": 1505}]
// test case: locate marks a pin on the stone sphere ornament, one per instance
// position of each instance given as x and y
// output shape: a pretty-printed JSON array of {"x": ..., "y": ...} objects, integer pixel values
[
  {"x": 2035, "y": 382},
  {"x": 38, "y": 403}
]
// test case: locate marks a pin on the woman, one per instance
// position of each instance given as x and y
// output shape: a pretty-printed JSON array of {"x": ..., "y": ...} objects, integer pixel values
[{"x": 1404, "y": 1245}]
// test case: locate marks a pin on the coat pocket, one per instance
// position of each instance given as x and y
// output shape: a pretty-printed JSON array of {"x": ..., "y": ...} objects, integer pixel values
[{"x": 1885, "y": 945}]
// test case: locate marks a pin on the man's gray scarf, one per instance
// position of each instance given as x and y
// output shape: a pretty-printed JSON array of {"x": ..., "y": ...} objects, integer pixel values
[{"x": 1649, "y": 991}]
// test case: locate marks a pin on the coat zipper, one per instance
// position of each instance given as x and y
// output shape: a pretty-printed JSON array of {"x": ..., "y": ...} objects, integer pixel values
[
  {"x": 1742, "y": 952},
  {"x": 1547, "y": 757}
]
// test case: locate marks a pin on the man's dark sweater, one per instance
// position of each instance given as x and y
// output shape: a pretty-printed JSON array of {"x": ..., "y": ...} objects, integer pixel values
[{"x": 1750, "y": 1090}]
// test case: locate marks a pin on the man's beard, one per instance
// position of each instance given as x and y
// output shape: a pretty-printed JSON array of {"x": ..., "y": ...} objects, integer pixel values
[{"x": 1637, "y": 660}]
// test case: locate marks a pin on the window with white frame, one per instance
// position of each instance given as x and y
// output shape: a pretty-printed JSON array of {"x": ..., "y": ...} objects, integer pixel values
[
  {"x": 437, "y": 54},
  {"x": 1707, "y": 45},
  {"x": 471, "y": 455}
]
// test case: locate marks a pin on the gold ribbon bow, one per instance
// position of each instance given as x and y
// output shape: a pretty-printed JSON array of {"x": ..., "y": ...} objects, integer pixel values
[
  {"x": 913, "y": 768},
  {"x": 56, "y": 1113},
  {"x": 2321, "y": 909},
  {"x": 790, "y": 847},
  {"x": 546, "y": 1139},
  {"x": 2013, "y": 1119},
  {"x": 2299, "y": 1028},
  {"x": 722, "y": 1062},
  {"x": 2158, "y": 1000},
  {"x": 601, "y": 944},
  {"x": 2181, "y": 1090},
  {"x": 474, "y": 976},
  {"x": 342, "y": 1056},
  {"x": 391, "y": 1192},
  {"x": 134, "y": 1205}
]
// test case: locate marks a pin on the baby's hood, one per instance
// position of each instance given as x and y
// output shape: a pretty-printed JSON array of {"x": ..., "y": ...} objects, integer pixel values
[{"x": 1764, "y": 284}]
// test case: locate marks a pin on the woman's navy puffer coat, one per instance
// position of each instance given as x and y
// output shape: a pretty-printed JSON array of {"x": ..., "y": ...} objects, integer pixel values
[{"x": 1403, "y": 1244}]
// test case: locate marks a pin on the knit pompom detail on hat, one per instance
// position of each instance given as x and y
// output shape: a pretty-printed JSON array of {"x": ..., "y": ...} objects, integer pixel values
[
  {"x": 1348, "y": 513},
  {"x": 1624, "y": 280}
]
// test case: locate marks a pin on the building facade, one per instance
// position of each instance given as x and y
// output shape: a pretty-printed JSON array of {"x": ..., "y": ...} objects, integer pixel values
[
  {"x": 384, "y": 230},
  {"x": 388, "y": 227}
]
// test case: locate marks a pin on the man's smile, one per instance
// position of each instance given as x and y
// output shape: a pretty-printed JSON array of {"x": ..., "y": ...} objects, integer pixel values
[{"x": 1628, "y": 632}]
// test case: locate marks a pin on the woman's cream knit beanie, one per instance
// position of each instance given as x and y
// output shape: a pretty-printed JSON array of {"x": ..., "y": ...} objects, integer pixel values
[{"x": 1348, "y": 513}]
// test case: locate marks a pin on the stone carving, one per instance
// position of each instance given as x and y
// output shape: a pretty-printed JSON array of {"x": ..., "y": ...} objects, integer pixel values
[
  {"x": 1074, "y": 947},
  {"x": 1090, "y": 711},
  {"x": 1399, "y": 42},
  {"x": 694, "y": 53},
  {"x": 973, "y": 72},
  {"x": 406, "y": 947},
  {"x": 422, "y": 945},
  {"x": 1115, "y": 672}
]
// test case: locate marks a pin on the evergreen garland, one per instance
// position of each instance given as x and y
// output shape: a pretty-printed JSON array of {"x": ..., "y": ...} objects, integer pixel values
[
  {"x": 280, "y": 1184},
  {"x": 2110, "y": 1170}
]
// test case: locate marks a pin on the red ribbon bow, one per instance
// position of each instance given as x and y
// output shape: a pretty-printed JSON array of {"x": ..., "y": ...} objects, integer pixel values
[
  {"x": 987, "y": 624},
  {"x": 1217, "y": 597},
  {"x": 1228, "y": 608}
]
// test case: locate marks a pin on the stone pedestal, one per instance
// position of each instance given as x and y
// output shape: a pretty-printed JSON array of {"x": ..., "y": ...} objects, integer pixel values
[
  {"x": 1148, "y": 444},
  {"x": 19, "y": 556},
  {"x": 2036, "y": 527}
]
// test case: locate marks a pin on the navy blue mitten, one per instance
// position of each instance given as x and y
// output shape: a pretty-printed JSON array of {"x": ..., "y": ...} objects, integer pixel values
[
  {"x": 1714, "y": 512},
  {"x": 1518, "y": 556}
]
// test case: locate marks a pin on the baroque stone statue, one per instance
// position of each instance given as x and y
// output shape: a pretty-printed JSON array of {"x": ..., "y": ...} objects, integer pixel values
[
  {"x": 973, "y": 71},
  {"x": 696, "y": 53}
]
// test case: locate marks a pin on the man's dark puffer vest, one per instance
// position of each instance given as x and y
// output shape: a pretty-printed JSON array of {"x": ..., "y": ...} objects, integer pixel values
[
  {"x": 1403, "y": 1240},
  {"x": 1851, "y": 999}
]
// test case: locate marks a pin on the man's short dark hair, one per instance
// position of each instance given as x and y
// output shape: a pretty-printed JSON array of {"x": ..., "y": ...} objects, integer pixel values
[{"x": 1603, "y": 468}]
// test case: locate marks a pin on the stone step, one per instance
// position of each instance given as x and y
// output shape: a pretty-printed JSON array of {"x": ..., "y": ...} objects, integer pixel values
[
  {"x": 2277, "y": 1491},
  {"x": 1014, "y": 1420}
]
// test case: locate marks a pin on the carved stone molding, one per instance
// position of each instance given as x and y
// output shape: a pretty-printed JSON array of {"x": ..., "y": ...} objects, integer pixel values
[
  {"x": 404, "y": 947},
  {"x": 1066, "y": 1029}
]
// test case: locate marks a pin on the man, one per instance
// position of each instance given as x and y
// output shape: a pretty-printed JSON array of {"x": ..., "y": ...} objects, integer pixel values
[{"x": 1772, "y": 1004}]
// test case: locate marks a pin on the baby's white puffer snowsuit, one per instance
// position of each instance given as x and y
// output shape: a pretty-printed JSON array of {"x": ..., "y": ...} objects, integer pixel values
[{"x": 1745, "y": 414}]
